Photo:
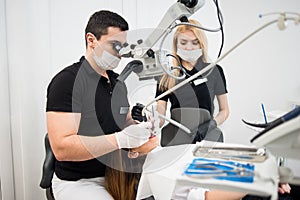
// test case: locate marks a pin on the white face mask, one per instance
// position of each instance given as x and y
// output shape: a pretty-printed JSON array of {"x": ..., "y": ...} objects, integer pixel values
[
  {"x": 107, "y": 61},
  {"x": 189, "y": 55}
]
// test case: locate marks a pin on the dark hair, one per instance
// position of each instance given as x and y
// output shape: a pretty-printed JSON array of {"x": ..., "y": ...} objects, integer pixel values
[
  {"x": 122, "y": 178},
  {"x": 101, "y": 20}
]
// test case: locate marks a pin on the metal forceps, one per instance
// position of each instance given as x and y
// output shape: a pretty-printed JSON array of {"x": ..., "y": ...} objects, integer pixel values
[
  {"x": 212, "y": 166},
  {"x": 156, "y": 123},
  {"x": 221, "y": 170}
]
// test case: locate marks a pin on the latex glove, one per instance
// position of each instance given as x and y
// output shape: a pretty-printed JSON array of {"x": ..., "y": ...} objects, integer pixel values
[
  {"x": 136, "y": 113},
  {"x": 151, "y": 144},
  {"x": 134, "y": 135}
]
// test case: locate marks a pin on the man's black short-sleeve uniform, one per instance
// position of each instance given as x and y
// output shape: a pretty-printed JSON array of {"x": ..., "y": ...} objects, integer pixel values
[{"x": 103, "y": 106}]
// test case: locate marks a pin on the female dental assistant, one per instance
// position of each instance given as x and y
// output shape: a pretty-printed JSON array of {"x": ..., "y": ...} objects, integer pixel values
[{"x": 190, "y": 47}]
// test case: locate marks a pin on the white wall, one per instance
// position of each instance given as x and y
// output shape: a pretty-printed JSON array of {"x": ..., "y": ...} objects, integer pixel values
[
  {"x": 6, "y": 164},
  {"x": 264, "y": 69},
  {"x": 27, "y": 25},
  {"x": 43, "y": 36}
]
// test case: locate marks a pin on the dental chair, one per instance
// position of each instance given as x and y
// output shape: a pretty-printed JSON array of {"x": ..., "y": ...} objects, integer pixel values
[
  {"x": 48, "y": 170},
  {"x": 197, "y": 120}
]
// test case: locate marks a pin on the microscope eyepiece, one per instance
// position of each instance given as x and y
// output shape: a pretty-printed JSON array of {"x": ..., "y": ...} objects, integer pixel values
[{"x": 189, "y": 3}]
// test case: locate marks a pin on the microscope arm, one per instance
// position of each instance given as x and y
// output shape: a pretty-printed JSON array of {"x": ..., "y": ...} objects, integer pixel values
[{"x": 182, "y": 8}]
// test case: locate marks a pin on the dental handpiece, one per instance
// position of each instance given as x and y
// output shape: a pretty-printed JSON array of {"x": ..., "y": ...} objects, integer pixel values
[{"x": 288, "y": 116}]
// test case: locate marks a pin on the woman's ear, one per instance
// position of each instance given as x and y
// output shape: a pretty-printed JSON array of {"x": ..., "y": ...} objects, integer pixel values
[{"x": 91, "y": 40}]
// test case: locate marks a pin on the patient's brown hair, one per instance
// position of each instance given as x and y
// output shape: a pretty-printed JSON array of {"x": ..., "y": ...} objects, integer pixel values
[{"x": 121, "y": 180}]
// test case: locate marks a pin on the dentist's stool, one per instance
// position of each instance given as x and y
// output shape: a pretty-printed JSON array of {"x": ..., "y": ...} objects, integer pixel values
[{"x": 48, "y": 170}]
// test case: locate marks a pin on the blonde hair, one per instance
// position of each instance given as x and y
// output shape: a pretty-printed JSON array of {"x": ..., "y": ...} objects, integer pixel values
[{"x": 167, "y": 81}]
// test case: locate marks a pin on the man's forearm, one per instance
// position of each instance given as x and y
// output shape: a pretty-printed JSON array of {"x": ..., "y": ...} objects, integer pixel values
[{"x": 80, "y": 148}]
